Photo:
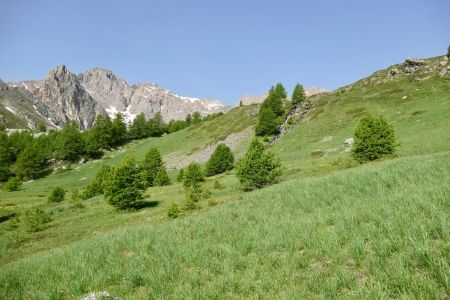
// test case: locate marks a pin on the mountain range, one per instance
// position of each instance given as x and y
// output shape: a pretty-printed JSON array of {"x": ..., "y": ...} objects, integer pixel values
[{"x": 64, "y": 96}]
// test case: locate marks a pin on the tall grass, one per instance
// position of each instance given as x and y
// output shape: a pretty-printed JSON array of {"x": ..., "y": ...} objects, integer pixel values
[{"x": 378, "y": 231}]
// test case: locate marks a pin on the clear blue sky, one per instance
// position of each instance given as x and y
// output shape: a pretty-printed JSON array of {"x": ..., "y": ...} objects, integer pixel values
[{"x": 220, "y": 49}]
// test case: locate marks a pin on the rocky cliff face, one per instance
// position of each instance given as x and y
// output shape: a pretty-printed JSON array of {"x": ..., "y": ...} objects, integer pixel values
[{"x": 64, "y": 96}]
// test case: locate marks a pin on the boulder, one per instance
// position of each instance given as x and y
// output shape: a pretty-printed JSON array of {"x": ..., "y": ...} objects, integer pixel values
[{"x": 349, "y": 141}]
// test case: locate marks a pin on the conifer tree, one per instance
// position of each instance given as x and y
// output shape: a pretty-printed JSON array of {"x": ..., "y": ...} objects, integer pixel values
[
  {"x": 101, "y": 132},
  {"x": 118, "y": 131},
  {"x": 139, "y": 128},
  {"x": 220, "y": 161},
  {"x": 151, "y": 165},
  {"x": 193, "y": 175},
  {"x": 188, "y": 120},
  {"x": 69, "y": 145},
  {"x": 31, "y": 163},
  {"x": 298, "y": 95},
  {"x": 161, "y": 178},
  {"x": 258, "y": 168},
  {"x": 125, "y": 186},
  {"x": 267, "y": 122},
  {"x": 6, "y": 156},
  {"x": 196, "y": 118}
]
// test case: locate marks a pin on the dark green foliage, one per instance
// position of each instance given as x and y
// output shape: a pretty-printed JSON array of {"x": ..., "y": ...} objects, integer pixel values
[
  {"x": 155, "y": 125},
  {"x": 267, "y": 122},
  {"x": 56, "y": 194},
  {"x": 274, "y": 100},
  {"x": 13, "y": 184},
  {"x": 18, "y": 141},
  {"x": 139, "y": 128},
  {"x": 258, "y": 168},
  {"x": 175, "y": 125},
  {"x": 118, "y": 131},
  {"x": 298, "y": 95},
  {"x": 196, "y": 118},
  {"x": 220, "y": 161},
  {"x": 101, "y": 132},
  {"x": 172, "y": 210},
  {"x": 31, "y": 162},
  {"x": 6, "y": 156},
  {"x": 193, "y": 175},
  {"x": 69, "y": 144},
  {"x": 125, "y": 186},
  {"x": 374, "y": 138},
  {"x": 180, "y": 176},
  {"x": 97, "y": 185},
  {"x": 188, "y": 120},
  {"x": 34, "y": 220},
  {"x": 151, "y": 165},
  {"x": 92, "y": 147},
  {"x": 161, "y": 178},
  {"x": 448, "y": 51}
]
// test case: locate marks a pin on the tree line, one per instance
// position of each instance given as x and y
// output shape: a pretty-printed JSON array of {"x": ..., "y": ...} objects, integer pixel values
[{"x": 25, "y": 155}]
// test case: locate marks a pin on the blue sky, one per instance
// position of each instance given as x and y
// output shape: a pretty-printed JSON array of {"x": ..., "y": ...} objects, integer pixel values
[{"x": 220, "y": 49}]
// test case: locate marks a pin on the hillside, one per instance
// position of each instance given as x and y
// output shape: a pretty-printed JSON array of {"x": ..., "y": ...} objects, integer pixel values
[{"x": 374, "y": 231}]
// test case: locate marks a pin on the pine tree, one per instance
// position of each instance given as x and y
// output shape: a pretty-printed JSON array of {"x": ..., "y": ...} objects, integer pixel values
[
  {"x": 298, "y": 95},
  {"x": 220, "y": 161},
  {"x": 6, "y": 156},
  {"x": 196, "y": 118},
  {"x": 102, "y": 132},
  {"x": 193, "y": 175},
  {"x": 151, "y": 165},
  {"x": 97, "y": 186},
  {"x": 267, "y": 122},
  {"x": 374, "y": 138},
  {"x": 188, "y": 120},
  {"x": 258, "y": 168},
  {"x": 280, "y": 92},
  {"x": 31, "y": 163},
  {"x": 118, "y": 131},
  {"x": 161, "y": 178},
  {"x": 139, "y": 128},
  {"x": 69, "y": 144},
  {"x": 125, "y": 186}
]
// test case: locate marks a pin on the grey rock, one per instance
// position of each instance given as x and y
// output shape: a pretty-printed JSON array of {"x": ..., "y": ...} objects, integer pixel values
[{"x": 349, "y": 141}]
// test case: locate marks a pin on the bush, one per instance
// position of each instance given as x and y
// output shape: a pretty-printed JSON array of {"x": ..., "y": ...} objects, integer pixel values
[
  {"x": 161, "y": 178},
  {"x": 374, "y": 138},
  {"x": 57, "y": 194},
  {"x": 35, "y": 220},
  {"x": 96, "y": 187},
  {"x": 220, "y": 161},
  {"x": 180, "y": 176},
  {"x": 125, "y": 186},
  {"x": 13, "y": 184},
  {"x": 193, "y": 175},
  {"x": 193, "y": 195},
  {"x": 218, "y": 185},
  {"x": 172, "y": 210},
  {"x": 258, "y": 168}
]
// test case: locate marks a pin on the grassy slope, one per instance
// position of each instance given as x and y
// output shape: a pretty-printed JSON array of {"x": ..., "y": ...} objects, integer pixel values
[
  {"x": 381, "y": 230},
  {"x": 421, "y": 121}
]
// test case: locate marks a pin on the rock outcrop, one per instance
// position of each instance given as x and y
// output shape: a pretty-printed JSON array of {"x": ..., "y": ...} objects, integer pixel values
[{"x": 64, "y": 96}]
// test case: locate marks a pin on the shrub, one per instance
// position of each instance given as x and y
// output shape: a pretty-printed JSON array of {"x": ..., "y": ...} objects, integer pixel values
[
  {"x": 193, "y": 195},
  {"x": 152, "y": 164},
  {"x": 161, "y": 178},
  {"x": 35, "y": 220},
  {"x": 13, "y": 184},
  {"x": 258, "y": 168},
  {"x": 96, "y": 187},
  {"x": 220, "y": 161},
  {"x": 218, "y": 185},
  {"x": 374, "y": 138},
  {"x": 57, "y": 194},
  {"x": 180, "y": 176},
  {"x": 172, "y": 210},
  {"x": 125, "y": 186},
  {"x": 448, "y": 51},
  {"x": 193, "y": 175}
]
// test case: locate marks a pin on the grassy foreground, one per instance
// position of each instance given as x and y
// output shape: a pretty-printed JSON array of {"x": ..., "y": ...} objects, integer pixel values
[{"x": 378, "y": 231}]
